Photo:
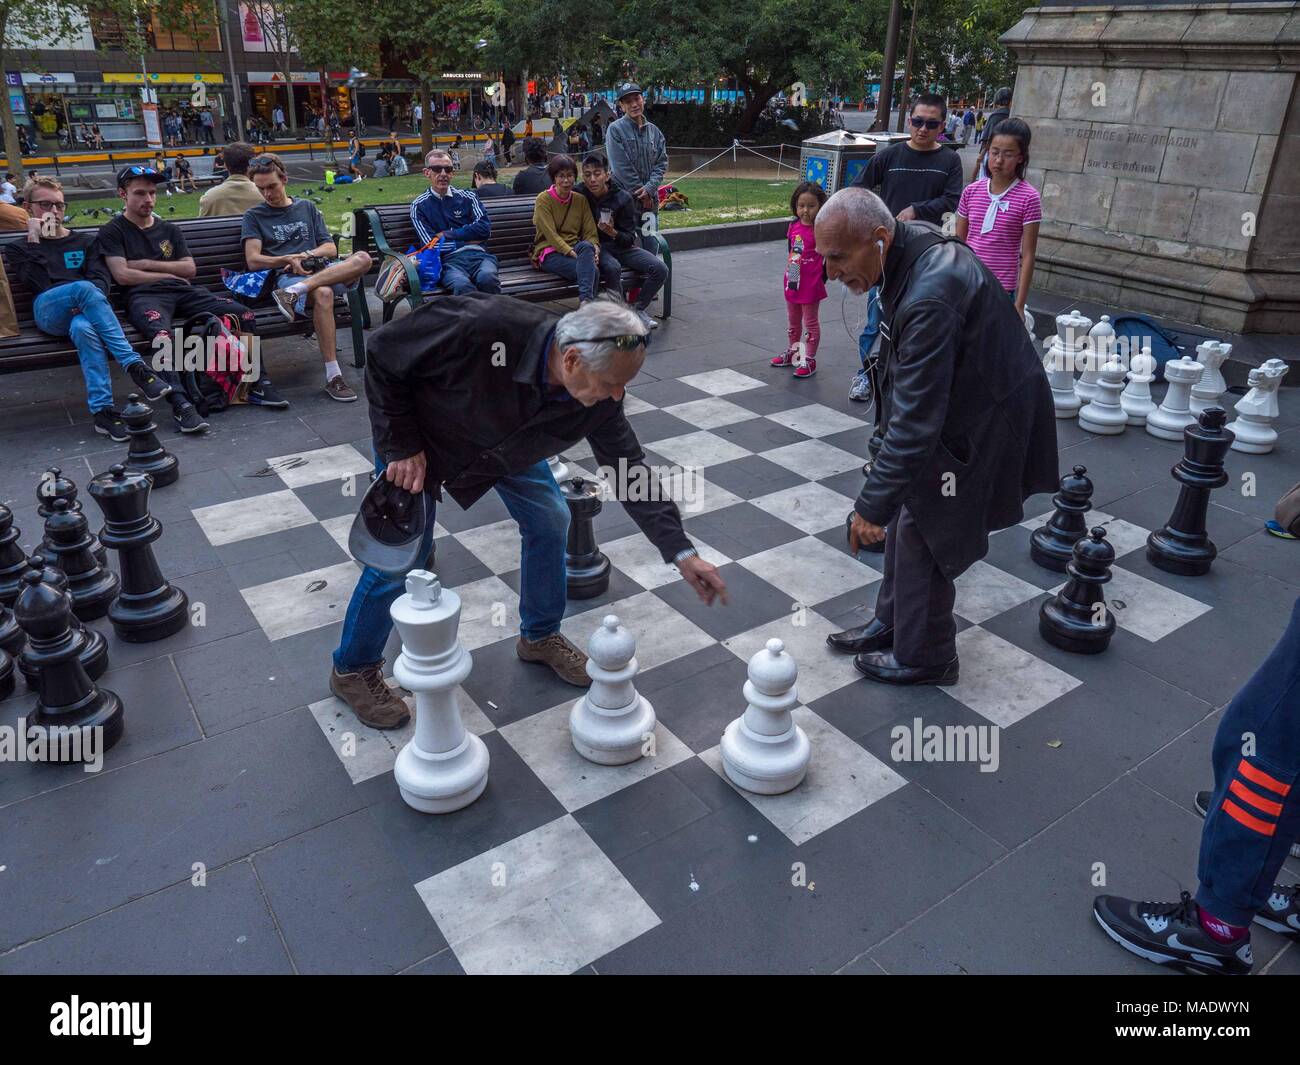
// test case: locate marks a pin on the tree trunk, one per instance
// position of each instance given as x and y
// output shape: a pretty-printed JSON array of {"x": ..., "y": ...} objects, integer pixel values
[
  {"x": 756, "y": 98},
  {"x": 291, "y": 104},
  {"x": 426, "y": 123},
  {"x": 13, "y": 152},
  {"x": 885, "y": 101},
  {"x": 907, "y": 70}
]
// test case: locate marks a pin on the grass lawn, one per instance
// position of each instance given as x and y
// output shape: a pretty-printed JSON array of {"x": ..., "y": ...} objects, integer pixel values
[{"x": 713, "y": 200}]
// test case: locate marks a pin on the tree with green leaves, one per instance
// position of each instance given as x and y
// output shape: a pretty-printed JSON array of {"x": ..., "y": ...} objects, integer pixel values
[
  {"x": 329, "y": 38},
  {"x": 272, "y": 18}
]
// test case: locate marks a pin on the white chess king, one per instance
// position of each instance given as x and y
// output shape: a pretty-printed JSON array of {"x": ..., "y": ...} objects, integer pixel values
[
  {"x": 611, "y": 724},
  {"x": 444, "y": 767},
  {"x": 763, "y": 750},
  {"x": 1257, "y": 410}
]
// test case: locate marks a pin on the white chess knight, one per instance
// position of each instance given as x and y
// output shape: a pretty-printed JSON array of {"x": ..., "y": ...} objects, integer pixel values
[
  {"x": 1104, "y": 415},
  {"x": 763, "y": 750},
  {"x": 1136, "y": 398},
  {"x": 1097, "y": 352},
  {"x": 1258, "y": 409},
  {"x": 1174, "y": 415},
  {"x": 611, "y": 724},
  {"x": 558, "y": 469},
  {"x": 1059, "y": 362},
  {"x": 1206, "y": 391},
  {"x": 443, "y": 768}
]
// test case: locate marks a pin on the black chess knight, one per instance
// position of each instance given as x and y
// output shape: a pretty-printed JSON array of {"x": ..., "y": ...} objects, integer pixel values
[
  {"x": 1077, "y": 618},
  {"x": 1183, "y": 546},
  {"x": 147, "y": 608},
  {"x": 1052, "y": 545},
  {"x": 586, "y": 565}
]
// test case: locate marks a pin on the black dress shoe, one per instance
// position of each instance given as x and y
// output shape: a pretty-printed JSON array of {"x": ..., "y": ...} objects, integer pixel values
[
  {"x": 873, "y": 636},
  {"x": 884, "y": 667}
]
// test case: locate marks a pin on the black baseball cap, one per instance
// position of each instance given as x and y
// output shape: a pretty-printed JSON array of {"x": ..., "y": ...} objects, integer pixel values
[
  {"x": 628, "y": 88},
  {"x": 129, "y": 173},
  {"x": 389, "y": 528}
]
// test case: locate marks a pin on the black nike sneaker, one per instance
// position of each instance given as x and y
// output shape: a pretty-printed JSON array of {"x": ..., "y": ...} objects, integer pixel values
[
  {"x": 1170, "y": 933},
  {"x": 1281, "y": 913},
  {"x": 1202, "y": 805}
]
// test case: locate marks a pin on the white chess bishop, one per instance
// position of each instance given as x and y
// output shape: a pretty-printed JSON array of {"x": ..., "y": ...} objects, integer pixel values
[
  {"x": 1174, "y": 415},
  {"x": 763, "y": 750},
  {"x": 1104, "y": 415},
  {"x": 1136, "y": 398},
  {"x": 1257, "y": 410},
  {"x": 1097, "y": 352},
  {"x": 444, "y": 767},
  {"x": 611, "y": 724},
  {"x": 1059, "y": 362},
  {"x": 1206, "y": 392}
]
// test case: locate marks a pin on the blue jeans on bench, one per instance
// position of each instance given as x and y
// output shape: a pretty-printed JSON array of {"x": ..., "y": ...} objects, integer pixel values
[
  {"x": 80, "y": 311},
  {"x": 470, "y": 268},
  {"x": 534, "y": 501},
  {"x": 580, "y": 268}
]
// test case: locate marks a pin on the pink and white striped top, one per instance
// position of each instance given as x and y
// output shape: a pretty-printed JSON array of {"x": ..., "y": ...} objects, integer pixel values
[{"x": 999, "y": 248}]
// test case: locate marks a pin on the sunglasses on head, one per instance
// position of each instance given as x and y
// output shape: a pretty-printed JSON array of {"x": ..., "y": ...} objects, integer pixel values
[
  {"x": 625, "y": 342},
  {"x": 142, "y": 171},
  {"x": 928, "y": 123},
  {"x": 440, "y": 168}
]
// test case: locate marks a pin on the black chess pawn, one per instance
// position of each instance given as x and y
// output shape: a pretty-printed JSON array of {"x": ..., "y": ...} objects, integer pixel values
[
  {"x": 147, "y": 608},
  {"x": 13, "y": 563},
  {"x": 68, "y": 697},
  {"x": 12, "y": 637},
  {"x": 92, "y": 586},
  {"x": 53, "y": 485},
  {"x": 1077, "y": 618},
  {"x": 1052, "y": 545},
  {"x": 92, "y": 648},
  {"x": 1183, "y": 546},
  {"x": 144, "y": 452},
  {"x": 6, "y": 675},
  {"x": 586, "y": 565}
]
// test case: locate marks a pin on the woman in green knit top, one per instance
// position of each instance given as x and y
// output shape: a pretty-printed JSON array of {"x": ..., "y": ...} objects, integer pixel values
[{"x": 567, "y": 242}]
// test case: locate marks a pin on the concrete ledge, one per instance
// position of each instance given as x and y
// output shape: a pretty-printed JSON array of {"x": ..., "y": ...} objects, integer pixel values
[{"x": 692, "y": 238}]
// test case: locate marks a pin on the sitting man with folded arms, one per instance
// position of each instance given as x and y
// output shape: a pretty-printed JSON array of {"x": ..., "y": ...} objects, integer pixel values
[{"x": 71, "y": 280}]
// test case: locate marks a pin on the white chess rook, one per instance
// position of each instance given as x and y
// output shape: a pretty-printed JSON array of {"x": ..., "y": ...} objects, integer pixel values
[
  {"x": 1097, "y": 352},
  {"x": 1174, "y": 415},
  {"x": 1059, "y": 362},
  {"x": 1257, "y": 410},
  {"x": 1104, "y": 415},
  {"x": 443, "y": 768},
  {"x": 1206, "y": 391},
  {"x": 1136, "y": 397},
  {"x": 763, "y": 750},
  {"x": 611, "y": 723}
]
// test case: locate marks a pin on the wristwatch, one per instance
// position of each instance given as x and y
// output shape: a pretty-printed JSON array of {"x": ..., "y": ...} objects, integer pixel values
[{"x": 683, "y": 555}]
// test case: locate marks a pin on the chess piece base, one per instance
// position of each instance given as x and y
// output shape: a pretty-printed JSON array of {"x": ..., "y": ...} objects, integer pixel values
[
  {"x": 1168, "y": 428},
  {"x": 1174, "y": 555},
  {"x": 93, "y": 657},
  {"x": 442, "y": 783},
  {"x": 1101, "y": 428},
  {"x": 1073, "y": 630},
  {"x": 765, "y": 765},
  {"x": 147, "y": 618},
  {"x": 1252, "y": 440},
  {"x": 101, "y": 709},
  {"x": 1050, "y": 552},
  {"x": 611, "y": 737},
  {"x": 589, "y": 577},
  {"x": 6, "y": 675},
  {"x": 165, "y": 472}
]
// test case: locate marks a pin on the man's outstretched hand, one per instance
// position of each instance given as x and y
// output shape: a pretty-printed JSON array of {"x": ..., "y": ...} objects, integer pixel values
[
  {"x": 407, "y": 473},
  {"x": 862, "y": 533},
  {"x": 704, "y": 578}
]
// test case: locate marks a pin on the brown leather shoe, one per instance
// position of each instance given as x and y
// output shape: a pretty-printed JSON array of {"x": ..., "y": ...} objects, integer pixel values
[
  {"x": 370, "y": 698},
  {"x": 569, "y": 664}
]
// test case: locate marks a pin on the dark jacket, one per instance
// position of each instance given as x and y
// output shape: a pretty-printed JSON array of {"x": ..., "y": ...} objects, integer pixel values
[
  {"x": 460, "y": 378},
  {"x": 624, "y": 216},
  {"x": 964, "y": 393}
]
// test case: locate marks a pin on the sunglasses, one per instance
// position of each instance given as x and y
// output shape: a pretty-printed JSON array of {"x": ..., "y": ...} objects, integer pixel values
[
  {"x": 928, "y": 123},
  {"x": 142, "y": 171},
  {"x": 625, "y": 342},
  {"x": 441, "y": 168}
]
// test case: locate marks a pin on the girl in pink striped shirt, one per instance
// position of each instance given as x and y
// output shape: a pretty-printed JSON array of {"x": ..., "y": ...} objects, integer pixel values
[{"x": 998, "y": 216}]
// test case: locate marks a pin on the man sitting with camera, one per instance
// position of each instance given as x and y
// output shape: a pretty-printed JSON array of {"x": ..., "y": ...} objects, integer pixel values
[{"x": 289, "y": 237}]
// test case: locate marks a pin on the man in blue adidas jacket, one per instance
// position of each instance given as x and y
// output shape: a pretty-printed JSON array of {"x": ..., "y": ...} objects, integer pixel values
[{"x": 459, "y": 218}]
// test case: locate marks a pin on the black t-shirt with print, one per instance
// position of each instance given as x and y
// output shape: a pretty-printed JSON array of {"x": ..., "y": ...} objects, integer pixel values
[{"x": 161, "y": 242}]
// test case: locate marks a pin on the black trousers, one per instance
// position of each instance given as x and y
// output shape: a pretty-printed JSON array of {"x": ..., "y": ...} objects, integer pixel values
[
  {"x": 153, "y": 309},
  {"x": 915, "y": 598}
]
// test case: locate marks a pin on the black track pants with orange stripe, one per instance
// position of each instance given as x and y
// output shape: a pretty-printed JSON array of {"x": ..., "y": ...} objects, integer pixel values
[{"x": 1255, "y": 814}]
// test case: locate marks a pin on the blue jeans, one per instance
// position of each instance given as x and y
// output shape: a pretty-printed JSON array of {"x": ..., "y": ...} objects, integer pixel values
[
  {"x": 872, "y": 329},
  {"x": 80, "y": 311},
  {"x": 580, "y": 268},
  {"x": 1254, "y": 816},
  {"x": 470, "y": 269},
  {"x": 534, "y": 501}
]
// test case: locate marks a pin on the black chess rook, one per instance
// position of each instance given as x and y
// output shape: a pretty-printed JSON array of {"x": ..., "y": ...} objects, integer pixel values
[
  {"x": 1183, "y": 546},
  {"x": 54, "y": 486},
  {"x": 147, "y": 608},
  {"x": 144, "y": 453},
  {"x": 68, "y": 698},
  {"x": 91, "y": 585},
  {"x": 1077, "y": 618},
  {"x": 13, "y": 562},
  {"x": 586, "y": 566},
  {"x": 92, "y": 648},
  {"x": 1052, "y": 545}
]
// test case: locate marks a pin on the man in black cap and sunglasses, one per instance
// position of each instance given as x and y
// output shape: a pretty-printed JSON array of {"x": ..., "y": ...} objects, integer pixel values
[{"x": 474, "y": 392}]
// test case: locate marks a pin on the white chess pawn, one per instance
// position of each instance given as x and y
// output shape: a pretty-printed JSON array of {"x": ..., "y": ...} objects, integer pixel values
[
  {"x": 1136, "y": 397},
  {"x": 1104, "y": 414},
  {"x": 1059, "y": 362},
  {"x": 558, "y": 469},
  {"x": 442, "y": 768},
  {"x": 1029, "y": 323},
  {"x": 1096, "y": 352},
  {"x": 611, "y": 723},
  {"x": 1206, "y": 391},
  {"x": 1169, "y": 419},
  {"x": 1258, "y": 409},
  {"x": 763, "y": 750}
]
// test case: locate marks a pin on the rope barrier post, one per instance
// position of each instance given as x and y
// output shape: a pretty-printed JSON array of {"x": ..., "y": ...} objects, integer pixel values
[
  {"x": 735, "y": 175},
  {"x": 780, "y": 158}
]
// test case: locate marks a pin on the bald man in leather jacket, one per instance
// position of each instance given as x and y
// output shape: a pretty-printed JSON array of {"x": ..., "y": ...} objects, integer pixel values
[{"x": 969, "y": 429}]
